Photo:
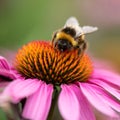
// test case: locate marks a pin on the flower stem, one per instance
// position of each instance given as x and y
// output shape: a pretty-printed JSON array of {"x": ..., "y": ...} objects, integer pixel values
[{"x": 56, "y": 93}]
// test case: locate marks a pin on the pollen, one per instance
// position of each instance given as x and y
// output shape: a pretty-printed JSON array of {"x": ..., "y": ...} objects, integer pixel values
[{"x": 39, "y": 59}]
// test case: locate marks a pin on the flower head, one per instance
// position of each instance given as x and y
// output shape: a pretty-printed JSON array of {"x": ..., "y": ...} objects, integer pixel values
[{"x": 40, "y": 60}]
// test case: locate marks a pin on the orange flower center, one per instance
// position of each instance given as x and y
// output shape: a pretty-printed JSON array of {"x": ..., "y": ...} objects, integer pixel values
[{"x": 38, "y": 59}]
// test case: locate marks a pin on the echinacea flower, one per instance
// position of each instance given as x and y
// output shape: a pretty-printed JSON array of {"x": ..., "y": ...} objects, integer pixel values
[
  {"x": 81, "y": 84},
  {"x": 66, "y": 77}
]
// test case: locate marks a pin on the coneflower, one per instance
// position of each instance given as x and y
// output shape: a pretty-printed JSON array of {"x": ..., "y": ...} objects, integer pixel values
[{"x": 49, "y": 76}]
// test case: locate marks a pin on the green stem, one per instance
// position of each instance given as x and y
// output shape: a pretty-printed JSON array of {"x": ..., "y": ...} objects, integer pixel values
[{"x": 56, "y": 93}]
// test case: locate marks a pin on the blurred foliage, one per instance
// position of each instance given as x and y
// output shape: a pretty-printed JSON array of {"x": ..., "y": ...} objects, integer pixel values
[
  {"x": 27, "y": 20},
  {"x": 2, "y": 115}
]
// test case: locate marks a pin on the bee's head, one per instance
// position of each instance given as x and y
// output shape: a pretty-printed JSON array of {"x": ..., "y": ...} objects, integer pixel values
[{"x": 63, "y": 45}]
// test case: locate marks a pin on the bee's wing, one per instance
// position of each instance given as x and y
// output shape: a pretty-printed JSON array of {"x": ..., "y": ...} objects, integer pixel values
[
  {"x": 71, "y": 22},
  {"x": 89, "y": 29}
]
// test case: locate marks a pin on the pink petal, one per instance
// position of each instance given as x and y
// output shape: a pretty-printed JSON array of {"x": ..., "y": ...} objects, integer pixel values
[
  {"x": 73, "y": 105},
  {"x": 37, "y": 105},
  {"x": 19, "y": 89},
  {"x": 4, "y": 64},
  {"x": 106, "y": 76},
  {"x": 97, "y": 99},
  {"x": 108, "y": 87},
  {"x": 106, "y": 97}
]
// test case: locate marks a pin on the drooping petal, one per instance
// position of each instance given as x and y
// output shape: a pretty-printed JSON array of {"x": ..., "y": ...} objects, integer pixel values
[
  {"x": 115, "y": 91},
  {"x": 97, "y": 99},
  {"x": 4, "y": 64},
  {"x": 7, "y": 75},
  {"x": 37, "y": 105},
  {"x": 19, "y": 89},
  {"x": 73, "y": 105},
  {"x": 5, "y": 70},
  {"x": 106, "y": 76}
]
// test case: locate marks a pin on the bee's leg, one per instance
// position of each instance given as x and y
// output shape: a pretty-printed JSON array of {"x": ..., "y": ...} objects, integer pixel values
[
  {"x": 53, "y": 37},
  {"x": 79, "y": 51},
  {"x": 85, "y": 45},
  {"x": 82, "y": 47}
]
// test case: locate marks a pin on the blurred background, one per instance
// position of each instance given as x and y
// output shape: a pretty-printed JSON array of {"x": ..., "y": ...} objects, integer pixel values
[{"x": 22, "y": 21}]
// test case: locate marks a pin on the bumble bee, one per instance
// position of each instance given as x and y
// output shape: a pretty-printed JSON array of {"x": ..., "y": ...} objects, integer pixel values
[{"x": 71, "y": 36}]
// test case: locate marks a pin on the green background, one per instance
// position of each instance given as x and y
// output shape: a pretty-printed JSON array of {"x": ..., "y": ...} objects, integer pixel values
[{"x": 22, "y": 21}]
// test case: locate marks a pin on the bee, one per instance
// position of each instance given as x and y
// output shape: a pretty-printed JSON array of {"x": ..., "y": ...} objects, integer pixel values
[{"x": 71, "y": 36}]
